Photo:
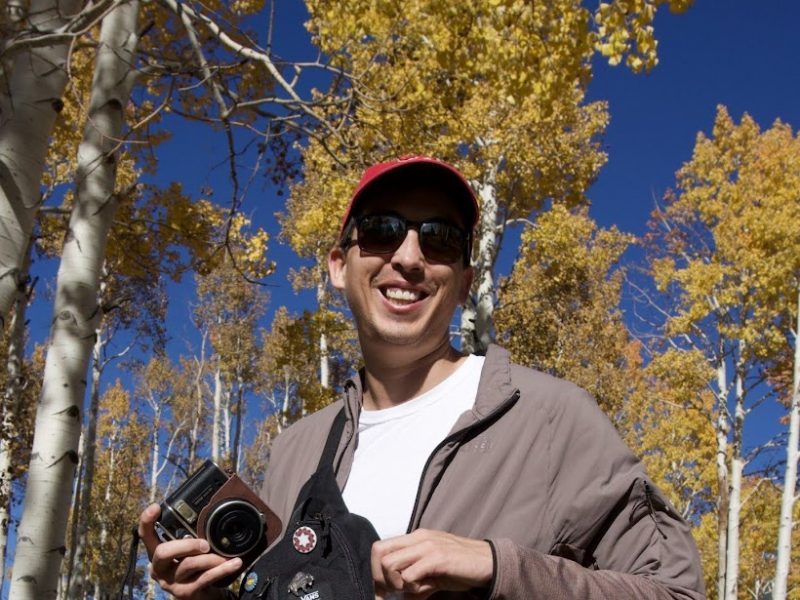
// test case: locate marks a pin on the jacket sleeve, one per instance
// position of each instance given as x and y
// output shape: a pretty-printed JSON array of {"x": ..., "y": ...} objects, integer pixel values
[{"x": 614, "y": 534}]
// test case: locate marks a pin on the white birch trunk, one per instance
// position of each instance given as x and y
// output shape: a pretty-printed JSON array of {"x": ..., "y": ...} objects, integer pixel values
[
  {"x": 29, "y": 102},
  {"x": 226, "y": 421},
  {"x": 11, "y": 400},
  {"x": 735, "y": 499},
  {"x": 324, "y": 356},
  {"x": 104, "y": 529},
  {"x": 237, "y": 440},
  {"x": 722, "y": 430},
  {"x": 216, "y": 421},
  {"x": 11, "y": 404},
  {"x": 784, "y": 553},
  {"x": 284, "y": 414},
  {"x": 88, "y": 441},
  {"x": 67, "y": 567},
  {"x": 477, "y": 319},
  {"x": 157, "y": 464},
  {"x": 58, "y": 424},
  {"x": 198, "y": 389},
  {"x": 155, "y": 460}
]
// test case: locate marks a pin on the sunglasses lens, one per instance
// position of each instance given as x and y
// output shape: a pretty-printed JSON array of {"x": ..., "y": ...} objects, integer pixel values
[
  {"x": 441, "y": 242},
  {"x": 381, "y": 234}
]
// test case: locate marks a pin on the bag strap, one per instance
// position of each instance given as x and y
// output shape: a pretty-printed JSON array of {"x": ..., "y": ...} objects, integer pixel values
[
  {"x": 131, "y": 571},
  {"x": 332, "y": 443}
]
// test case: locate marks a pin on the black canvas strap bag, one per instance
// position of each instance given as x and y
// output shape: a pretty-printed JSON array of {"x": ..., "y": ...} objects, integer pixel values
[{"x": 325, "y": 552}]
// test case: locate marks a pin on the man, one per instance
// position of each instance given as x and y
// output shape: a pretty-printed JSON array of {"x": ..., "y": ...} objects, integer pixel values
[{"x": 484, "y": 479}]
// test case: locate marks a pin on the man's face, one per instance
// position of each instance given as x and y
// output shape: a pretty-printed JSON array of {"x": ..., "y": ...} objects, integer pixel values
[{"x": 403, "y": 298}]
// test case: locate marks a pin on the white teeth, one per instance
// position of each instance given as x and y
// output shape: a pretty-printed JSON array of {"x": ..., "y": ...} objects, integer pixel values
[{"x": 402, "y": 295}]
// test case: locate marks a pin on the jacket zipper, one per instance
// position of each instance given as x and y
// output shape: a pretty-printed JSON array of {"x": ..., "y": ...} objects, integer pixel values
[{"x": 454, "y": 437}]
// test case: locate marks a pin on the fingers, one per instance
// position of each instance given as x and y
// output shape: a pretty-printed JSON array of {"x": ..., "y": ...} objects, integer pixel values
[
  {"x": 391, "y": 557},
  {"x": 200, "y": 576},
  {"x": 147, "y": 532},
  {"x": 410, "y": 568},
  {"x": 424, "y": 562},
  {"x": 167, "y": 554},
  {"x": 186, "y": 569},
  {"x": 192, "y": 567}
]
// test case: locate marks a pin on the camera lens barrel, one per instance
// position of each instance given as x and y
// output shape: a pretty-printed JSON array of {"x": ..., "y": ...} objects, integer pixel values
[{"x": 234, "y": 527}]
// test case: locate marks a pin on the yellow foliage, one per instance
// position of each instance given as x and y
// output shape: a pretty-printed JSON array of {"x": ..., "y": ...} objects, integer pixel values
[
  {"x": 119, "y": 486},
  {"x": 229, "y": 309},
  {"x": 669, "y": 424},
  {"x": 731, "y": 247},
  {"x": 625, "y": 30},
  {"x": 558, "y": 311},
  {"x": 292, "y": 355},
  {"x": 726, "y": 255},
  {"x": 478, "y": 84},
  {"x": 493, "y": 83},
  {"x": 759, "y": 527}
]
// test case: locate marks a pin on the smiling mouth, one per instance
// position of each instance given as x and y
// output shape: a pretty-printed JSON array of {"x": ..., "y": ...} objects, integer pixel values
[{"x": 401, "y": 297}]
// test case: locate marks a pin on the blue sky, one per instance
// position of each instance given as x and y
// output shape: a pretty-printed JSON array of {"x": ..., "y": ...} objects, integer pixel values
[{"x": 743, "y": 54}]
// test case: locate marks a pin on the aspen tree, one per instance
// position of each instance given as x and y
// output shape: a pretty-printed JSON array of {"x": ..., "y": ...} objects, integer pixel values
[
  {"x": 33, "y": 82},
  {"x": 43, "y": 523},
  {"x": 495, "y": 87},
  {"x": 726, "y": 257},
  {"x": 789, "y": 499},
  {"x": 559, "y": 309}
]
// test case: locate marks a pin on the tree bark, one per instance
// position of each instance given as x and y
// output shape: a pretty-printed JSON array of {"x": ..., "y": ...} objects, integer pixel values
[
  {"x": 58, "y": 423},
  {"x": 237, "y": 439},
  {"x": 104, "y": 529},
  {"x": 784, "y": 553},
  {"x": 477, "y": 318},
  {"x": 11, "y": 400},
  {"x": 735, "y": 499},
  {"x": 216, "y": 429},
  {"x": 86, "y": 483},
  {"x": 197, "y": 419},
  {"x": 30, "y": 100},
  {"x": 722, "y": 431},
  {"x": 324, "y": 355}
]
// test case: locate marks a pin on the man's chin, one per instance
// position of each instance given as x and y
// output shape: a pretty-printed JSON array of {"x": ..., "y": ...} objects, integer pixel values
[{"x": 421, "y": 338}]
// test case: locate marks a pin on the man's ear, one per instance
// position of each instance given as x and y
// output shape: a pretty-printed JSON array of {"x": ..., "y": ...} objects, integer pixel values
[
  {"x": 466, "y": 284},
  {"x": 337, "y": 265}
]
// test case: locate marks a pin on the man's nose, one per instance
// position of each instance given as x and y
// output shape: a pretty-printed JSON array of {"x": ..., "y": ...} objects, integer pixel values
[{"x": 409, "y": 255}]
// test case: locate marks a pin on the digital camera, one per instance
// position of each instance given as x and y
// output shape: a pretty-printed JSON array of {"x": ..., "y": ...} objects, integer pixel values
[{"x": 222, "y": 510}]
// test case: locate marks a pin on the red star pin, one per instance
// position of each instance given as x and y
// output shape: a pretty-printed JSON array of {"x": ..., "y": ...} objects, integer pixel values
[{"x": 304, "y": 539}]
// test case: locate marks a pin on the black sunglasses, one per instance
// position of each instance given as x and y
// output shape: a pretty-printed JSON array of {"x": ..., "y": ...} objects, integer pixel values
[{"x": 439, "y": 241}]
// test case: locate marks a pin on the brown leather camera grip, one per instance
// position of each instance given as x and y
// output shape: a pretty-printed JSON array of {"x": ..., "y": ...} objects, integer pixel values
[{"x": 236, "y": 489}]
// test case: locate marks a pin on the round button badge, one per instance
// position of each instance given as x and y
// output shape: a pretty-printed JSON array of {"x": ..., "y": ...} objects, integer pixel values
[
  {"x": 250, "y": 581},
  {"x": 304, "y": 540}
]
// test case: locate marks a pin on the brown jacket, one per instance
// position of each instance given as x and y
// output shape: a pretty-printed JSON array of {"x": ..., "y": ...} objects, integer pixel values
[{"x": 538, "y": 470}]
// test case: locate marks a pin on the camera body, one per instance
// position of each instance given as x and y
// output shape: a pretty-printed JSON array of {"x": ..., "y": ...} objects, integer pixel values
[{"x": 222, "y": 510}]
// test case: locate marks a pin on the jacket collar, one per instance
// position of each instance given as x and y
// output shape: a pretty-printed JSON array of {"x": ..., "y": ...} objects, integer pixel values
[{"x": 494, "y": 388}]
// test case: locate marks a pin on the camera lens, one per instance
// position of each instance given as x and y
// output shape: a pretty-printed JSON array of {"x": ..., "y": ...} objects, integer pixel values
[{"x": 234, "y": 527}]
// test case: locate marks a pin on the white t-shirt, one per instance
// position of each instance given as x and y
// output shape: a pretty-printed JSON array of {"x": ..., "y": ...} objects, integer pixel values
[{"x": 394, "y": 444}]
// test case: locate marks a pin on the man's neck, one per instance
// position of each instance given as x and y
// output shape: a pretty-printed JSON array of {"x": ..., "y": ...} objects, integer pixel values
[{"x": 391, "y": 382}]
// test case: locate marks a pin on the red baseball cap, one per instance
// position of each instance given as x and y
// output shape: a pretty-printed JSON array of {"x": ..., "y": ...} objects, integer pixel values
[{"x": 463, "y": 192}]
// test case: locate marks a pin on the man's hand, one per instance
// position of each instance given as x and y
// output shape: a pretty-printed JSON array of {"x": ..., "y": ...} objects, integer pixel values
[
  {"x": 424, "y": 561},
  {"x": 184, "y": 568}
]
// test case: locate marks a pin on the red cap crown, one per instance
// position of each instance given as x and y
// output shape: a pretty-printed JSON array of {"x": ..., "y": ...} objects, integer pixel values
[{"x": 376, "y": 172}]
